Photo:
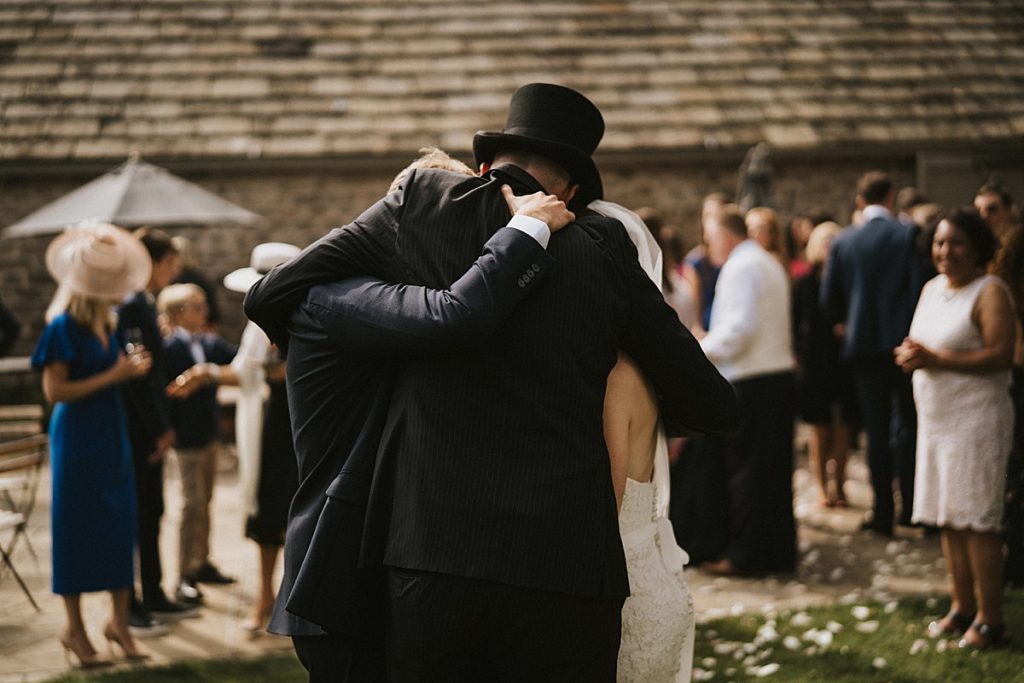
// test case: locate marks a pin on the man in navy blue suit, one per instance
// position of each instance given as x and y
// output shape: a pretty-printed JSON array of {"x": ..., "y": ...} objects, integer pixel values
[{"x": 870, "y": 289}]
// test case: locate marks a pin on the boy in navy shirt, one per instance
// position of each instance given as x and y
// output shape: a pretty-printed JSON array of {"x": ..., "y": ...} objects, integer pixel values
[{"x": 190, "y": 350}]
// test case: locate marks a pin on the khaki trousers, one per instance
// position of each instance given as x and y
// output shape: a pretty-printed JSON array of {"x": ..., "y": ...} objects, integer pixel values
[{"x": 198, "y": 467}]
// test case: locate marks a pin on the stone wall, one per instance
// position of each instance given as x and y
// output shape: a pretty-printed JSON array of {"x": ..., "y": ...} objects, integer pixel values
[{"x": 299, "y": 207}]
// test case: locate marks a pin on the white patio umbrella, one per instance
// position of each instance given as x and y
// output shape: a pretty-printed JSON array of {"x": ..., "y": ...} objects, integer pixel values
[{"x": 133, "y": 194}]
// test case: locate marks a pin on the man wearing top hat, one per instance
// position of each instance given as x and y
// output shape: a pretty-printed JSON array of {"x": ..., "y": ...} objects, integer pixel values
[{"x": 491, "y": 505}]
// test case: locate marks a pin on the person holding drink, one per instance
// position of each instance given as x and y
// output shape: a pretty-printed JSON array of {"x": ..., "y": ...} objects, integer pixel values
[{"x": 93, "y": 490}]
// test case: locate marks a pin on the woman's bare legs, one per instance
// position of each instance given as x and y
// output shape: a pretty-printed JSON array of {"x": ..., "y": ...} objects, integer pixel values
[
  {"x": 840, "y": 448},
  {"x": 985, "y": 550},
  {"x": 257, "y": 619},
  {"x": 961, "y": 576},
  {"x": 116, "y": 630},
  {"x": 818, "y": 448},
  {"x": 74, "y": 638}
]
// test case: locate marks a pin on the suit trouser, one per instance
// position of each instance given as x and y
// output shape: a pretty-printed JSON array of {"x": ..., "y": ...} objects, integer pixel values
[
  {"x": 759, "y": 458},
  {"x": 450, "y": 629},
  {"x": 341, "y": 658},
  {"x": 149, "y": 490},
  {"x": 887, "y": 408},
  {"x": 198, "y": 468}
]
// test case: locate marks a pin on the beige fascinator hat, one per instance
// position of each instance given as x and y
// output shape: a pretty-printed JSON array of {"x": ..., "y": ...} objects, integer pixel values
[
  {"x": 98, "y": 260},
  {"x": 265, "y": 257}
]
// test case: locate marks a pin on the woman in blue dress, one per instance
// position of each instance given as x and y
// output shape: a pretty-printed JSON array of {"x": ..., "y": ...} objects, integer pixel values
[{"x": 93, "y": 490}]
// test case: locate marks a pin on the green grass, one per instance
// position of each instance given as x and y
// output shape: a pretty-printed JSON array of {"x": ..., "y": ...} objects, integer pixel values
[
  {"x": 269, "y": 669},
  {"x": 851, "y": 656}
]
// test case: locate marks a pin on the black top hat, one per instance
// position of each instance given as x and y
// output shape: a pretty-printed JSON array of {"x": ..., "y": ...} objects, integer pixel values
[{"x": 557, "y": 122}]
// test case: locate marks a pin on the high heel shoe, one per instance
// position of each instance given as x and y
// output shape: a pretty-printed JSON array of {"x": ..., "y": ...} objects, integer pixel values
[
  {"x": 113, "y": 638},
  {"x": 85, "y": 661}
]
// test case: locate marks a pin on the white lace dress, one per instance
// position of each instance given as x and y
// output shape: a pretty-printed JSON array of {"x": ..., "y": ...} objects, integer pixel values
[
  {"x": 657, "y": 618},
  {"x": 965, "y": 420}
]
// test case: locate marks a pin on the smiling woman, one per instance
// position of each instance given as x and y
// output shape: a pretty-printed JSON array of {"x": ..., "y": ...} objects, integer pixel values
[{"x": 960, "y": 349}]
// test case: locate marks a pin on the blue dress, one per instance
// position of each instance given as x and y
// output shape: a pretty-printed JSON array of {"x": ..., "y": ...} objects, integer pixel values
[{"x": 92, "y": 511}]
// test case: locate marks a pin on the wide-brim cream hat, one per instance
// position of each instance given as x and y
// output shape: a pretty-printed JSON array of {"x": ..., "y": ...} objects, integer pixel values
[
  {"x": 99, "y": 260},
  {"x": 265, "y": 257}
]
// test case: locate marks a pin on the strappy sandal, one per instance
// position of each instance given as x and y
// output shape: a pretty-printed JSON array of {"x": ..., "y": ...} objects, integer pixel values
[
  {"x": 985, "y": 636},
  {"x": 950, "y": 625}
]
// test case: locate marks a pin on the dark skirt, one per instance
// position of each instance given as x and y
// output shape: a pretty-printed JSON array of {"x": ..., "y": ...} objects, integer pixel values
[{"x": 278, "y": 473}]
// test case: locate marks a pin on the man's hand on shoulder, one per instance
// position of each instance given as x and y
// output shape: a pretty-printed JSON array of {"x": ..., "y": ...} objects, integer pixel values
[{"x": 544, "y": 207}]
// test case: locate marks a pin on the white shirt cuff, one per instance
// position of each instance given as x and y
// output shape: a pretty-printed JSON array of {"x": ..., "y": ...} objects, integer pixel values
[{"x": 534, "y": 227}]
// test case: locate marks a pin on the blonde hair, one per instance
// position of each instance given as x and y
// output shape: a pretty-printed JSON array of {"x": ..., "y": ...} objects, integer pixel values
[
  {"x": 172, "y": 298},
  {"x": 431, "y": 157},
  {"x": 817, "y": 243},
  {"x": 95, "y": 314}
]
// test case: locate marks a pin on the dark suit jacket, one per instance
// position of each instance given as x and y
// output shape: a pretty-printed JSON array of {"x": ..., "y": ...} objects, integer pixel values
[
  {"x": 144, "y": 398},
  {"x": 195, "y": 419},
  {"x": 492, "y": 462},
  {"x": 339, "y": 384},
  {"x": 871, "y": 283}
]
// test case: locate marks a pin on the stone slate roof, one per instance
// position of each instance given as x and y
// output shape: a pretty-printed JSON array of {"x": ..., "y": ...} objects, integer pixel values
[{"x": 95, "y": 79}]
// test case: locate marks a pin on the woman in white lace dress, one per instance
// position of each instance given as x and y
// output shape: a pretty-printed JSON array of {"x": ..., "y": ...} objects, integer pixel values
[
  {"x": 960, "y": 349},
  {"x": 658, "y": 617}
]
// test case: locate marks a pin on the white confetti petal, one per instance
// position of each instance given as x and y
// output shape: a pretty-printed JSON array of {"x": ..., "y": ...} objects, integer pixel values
[
  {"x": 879, "y": 663},
  {"x": 918, "y": 645},
  {"x": 834, "y": 626},
  {"x": 891, "y": 607},
  {"x": 860, "y": 612},
  {"x": 823, "y": 639},
  {"x": 836, "y": 575},
  {"x": 709, "y": 662},
  {"x": 791, "y": 643},
  {"x": 941, "y": 645},
  {"x": 867, "y": 627},
  {"x": 800, "y": 619},
  {"x": 726, "y": 648},
  {"x": 767, "y": 670}
]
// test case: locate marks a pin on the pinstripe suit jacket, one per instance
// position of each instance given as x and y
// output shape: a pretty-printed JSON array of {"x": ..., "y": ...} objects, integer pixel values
[{"x": 492, "y": 463}]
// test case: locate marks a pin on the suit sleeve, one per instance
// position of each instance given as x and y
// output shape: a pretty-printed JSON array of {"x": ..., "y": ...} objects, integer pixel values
[
  {"x": 364, "y": 247},
  {"x": 693, "y": 395},
  {"x": 371, "y": 316}
]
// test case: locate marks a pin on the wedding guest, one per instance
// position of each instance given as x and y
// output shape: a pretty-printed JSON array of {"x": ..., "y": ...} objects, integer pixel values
[
  {"x": 960, "y": 349},
  {"x": 149, "y": 431},
  {"x": 266, "y": 454},
  {"x": 1009, "y": 266},
  {"x": 194, "y": 419},
  {"x": 995, "y": 204},
  {"x": 826, "y": 398},
  {"x": 869, "y": 290},
  {"x": 82, "y": 362},
  {"x": 699, "y": 270},
  {"x": 191, "y": 272},
  {"x": 678, "y": 293},
  {"x": 907, "y": 200},
  {"x": 750, "y": 342},
  {"x": 800, "y": 227},
  {"x": 763, "y": 227},
  {"x": 10, "y": 328}
]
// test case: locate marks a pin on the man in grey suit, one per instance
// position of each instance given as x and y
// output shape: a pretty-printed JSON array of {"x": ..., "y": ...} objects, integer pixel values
[{"x": 870, "y": 288}]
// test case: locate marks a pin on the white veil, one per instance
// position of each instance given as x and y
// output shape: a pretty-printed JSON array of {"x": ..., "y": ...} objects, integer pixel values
[{"x": 649, "y": 255}]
